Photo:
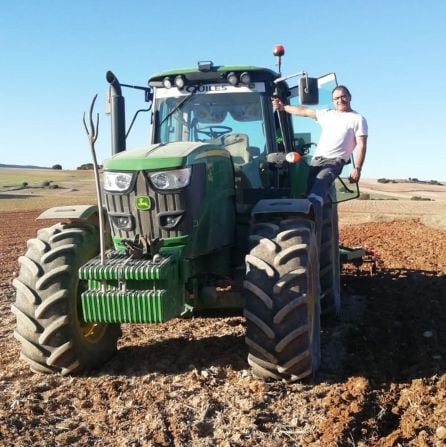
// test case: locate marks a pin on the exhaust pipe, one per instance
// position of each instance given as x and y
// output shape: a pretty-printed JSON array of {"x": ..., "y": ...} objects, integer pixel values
[{"x": 117, "y": 107}]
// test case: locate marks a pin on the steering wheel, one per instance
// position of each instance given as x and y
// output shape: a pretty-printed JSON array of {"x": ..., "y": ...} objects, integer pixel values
[{"x": 214, "y": 131}]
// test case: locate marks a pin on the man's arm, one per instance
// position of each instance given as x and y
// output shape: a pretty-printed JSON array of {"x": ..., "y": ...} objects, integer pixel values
[
  {"x": 294, "y": 110},
  {"x": 361, "y": 149}
]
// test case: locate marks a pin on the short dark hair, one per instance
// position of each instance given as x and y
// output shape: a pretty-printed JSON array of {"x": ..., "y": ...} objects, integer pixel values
[{"x": 344, "y": 88}]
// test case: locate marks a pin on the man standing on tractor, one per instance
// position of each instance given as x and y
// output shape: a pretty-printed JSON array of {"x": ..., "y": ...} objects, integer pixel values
[{"x": 343, "y": 129}]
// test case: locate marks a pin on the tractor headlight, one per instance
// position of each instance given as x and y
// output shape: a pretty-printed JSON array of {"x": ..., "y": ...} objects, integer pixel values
[
  {"x": 176, "y": 179},
  {"x": 117, "y": 181}
]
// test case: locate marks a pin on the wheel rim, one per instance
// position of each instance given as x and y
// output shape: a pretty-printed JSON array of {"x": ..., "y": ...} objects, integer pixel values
[{"x": 90, "y": 332}]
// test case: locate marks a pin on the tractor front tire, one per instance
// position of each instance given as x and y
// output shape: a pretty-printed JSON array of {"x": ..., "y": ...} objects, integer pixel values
[
  {"x": 53, "y": 337},
  {"x": 282, "y": 308}
]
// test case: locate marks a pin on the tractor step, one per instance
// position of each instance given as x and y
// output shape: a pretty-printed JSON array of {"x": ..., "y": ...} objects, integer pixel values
[{"x": 129, "y": 306}]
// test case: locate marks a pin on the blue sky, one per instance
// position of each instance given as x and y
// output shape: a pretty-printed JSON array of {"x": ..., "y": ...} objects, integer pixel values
[{"x": 54, "y": 55}]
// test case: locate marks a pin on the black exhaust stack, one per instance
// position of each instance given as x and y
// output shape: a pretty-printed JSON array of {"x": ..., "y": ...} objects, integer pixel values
[{"x": 117, "y": 106}]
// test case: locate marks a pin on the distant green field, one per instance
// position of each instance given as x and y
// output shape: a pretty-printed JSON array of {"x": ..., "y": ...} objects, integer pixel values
[
  {"x": 15, "y": 176},
  {"x": 44, "y": 188}
]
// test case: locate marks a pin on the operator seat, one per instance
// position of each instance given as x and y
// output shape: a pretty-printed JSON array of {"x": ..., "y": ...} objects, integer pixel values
[
  {"x": 237, "y": 145},
  {"x": 245, "y": 158}
]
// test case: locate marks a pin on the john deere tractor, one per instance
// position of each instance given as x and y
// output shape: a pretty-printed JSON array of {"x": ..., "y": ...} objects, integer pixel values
[{"x": 210, "y": 213}]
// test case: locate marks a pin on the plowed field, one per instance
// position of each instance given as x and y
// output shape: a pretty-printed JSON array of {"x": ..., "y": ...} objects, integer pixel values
[{"x": 187, "y": 382}]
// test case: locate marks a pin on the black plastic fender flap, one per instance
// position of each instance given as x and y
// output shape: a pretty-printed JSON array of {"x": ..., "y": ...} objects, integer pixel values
[{"x": 282, "y": 206}]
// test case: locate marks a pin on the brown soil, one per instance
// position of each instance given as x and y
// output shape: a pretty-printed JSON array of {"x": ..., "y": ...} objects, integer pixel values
[{"x": 187, "y": 382}]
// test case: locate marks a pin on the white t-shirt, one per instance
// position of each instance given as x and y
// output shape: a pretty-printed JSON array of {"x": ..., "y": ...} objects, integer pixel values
[{"x": 339, "y": 132}]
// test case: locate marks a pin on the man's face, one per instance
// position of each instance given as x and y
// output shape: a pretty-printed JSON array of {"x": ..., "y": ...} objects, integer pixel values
[{"x": 341, "y": 100}]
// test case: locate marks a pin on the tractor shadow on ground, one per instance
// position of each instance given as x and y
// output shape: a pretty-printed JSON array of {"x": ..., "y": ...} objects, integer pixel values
[
  {"x": 391, "y": 328},
  {"x": 179, "y": 355},
  {"x": 4, "y": 196}
]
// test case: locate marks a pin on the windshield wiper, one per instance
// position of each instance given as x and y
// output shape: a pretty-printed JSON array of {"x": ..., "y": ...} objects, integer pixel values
[{"x": 179, "y": 105}]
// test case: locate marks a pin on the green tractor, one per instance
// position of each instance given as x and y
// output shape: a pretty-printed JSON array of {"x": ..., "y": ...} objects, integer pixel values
[{"x": 211, "y": 214}]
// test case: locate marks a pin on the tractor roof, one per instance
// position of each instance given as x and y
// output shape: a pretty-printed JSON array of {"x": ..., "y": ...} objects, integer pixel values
[{"x": 207, "y": 72}]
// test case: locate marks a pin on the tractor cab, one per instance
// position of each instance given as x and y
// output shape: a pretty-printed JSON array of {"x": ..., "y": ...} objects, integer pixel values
[
  {"x": 227, "y": 107},
  {"x": 230, "y": 106}
]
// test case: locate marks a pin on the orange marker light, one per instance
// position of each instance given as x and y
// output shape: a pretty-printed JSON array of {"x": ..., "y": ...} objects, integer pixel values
[
  {"x": 278, "y": 50},
  {"x": 293, "y": 157}
]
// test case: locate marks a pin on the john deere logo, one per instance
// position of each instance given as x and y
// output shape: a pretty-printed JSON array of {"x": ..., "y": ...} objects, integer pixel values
[{"x": 143, "y": 202}]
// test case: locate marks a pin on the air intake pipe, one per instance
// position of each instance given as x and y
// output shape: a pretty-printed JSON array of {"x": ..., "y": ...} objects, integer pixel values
[{"x": 117, "y": 108}]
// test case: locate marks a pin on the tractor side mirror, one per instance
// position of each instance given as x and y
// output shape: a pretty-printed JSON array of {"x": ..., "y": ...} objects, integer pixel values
[{"x": 308, "y": 91}]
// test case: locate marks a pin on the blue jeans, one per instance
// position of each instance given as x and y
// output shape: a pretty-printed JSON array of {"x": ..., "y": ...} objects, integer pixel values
[{"x": 323, "y": 172}]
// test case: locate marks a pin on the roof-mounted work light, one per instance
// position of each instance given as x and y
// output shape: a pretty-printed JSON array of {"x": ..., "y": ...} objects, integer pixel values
[
  {"x": 232, "y": 78},
  {"x": 245, "y": 78},
  {"x": 167, "y": 82},
  {"x": 179, "y": 81}
]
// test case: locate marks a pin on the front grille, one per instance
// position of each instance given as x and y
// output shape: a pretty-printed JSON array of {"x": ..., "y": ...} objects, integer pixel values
[{"x": 185, "y": 202}]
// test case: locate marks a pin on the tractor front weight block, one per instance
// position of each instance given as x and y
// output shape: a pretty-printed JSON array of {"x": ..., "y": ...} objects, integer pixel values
[{"x": 127, "y": 290}]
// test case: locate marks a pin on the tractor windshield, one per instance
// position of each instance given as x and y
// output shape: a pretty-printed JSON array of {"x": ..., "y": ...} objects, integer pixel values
[{"x": 211, "y": 113}]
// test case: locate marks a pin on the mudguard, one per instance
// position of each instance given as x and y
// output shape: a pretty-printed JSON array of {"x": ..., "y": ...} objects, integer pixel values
[
  {"x": 288, "y": 206},
  {"x": 79, "y": 212}
]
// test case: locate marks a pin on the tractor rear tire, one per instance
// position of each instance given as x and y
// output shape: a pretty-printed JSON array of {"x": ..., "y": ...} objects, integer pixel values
[
  {"x": 282, "y": 308},
  {"x": 47, "y": 308}
]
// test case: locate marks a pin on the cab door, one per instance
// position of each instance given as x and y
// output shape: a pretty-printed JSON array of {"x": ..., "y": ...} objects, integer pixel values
[{"x": 307, "y": 132}]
